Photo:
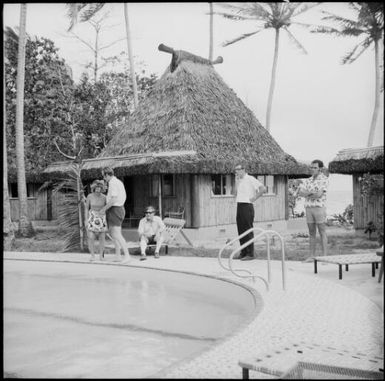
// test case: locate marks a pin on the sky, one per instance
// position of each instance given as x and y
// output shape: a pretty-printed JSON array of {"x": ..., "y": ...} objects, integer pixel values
[{"x": 320, "y": 106}]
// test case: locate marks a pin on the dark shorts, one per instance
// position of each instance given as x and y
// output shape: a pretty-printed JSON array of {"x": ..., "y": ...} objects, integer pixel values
[{"x": 115, "y": 215}]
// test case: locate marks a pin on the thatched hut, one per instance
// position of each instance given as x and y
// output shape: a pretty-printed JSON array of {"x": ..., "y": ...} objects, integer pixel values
[
  {"x": 358, "y": 162},
  {"x": 180, "y": 146}
]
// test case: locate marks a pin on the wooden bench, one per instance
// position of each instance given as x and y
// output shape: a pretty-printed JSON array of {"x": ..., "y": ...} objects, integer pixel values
[{"x": 349, "y": 259}]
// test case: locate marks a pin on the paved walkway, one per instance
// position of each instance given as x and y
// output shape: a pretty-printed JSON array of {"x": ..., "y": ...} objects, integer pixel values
[{"x": 315, "y": 308}]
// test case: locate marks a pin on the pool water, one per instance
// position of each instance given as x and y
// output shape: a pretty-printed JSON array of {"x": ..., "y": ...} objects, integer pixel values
[{"x": 68, "y": 320}]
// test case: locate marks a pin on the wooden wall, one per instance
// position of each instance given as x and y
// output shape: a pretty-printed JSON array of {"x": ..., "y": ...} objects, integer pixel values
[
  {"x": 365, "y": 208},
  {"x": 209, "y": 210},
  {"x": 38, "y": 206},
  {"x": 141, "y": 196}
]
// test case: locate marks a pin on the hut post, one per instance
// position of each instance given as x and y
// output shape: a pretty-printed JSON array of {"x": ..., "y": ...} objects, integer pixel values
[{"x": 160, "y": 195}]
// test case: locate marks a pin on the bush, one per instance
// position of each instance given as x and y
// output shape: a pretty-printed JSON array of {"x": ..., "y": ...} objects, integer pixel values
[{"x": 346, "y": 218}]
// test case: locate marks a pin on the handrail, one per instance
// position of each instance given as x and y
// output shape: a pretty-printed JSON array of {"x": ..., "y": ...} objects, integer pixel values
[{"x": 262, "y": 233}]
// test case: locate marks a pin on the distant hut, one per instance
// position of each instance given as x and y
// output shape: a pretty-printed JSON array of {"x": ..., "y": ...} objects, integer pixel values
[
  {"x": 181, "y": 144},
  {"x": 358, "y": 162},
  {"x": 42, "y": 205}
]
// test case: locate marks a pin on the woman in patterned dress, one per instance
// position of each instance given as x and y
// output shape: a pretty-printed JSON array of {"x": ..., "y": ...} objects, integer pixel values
[{"x": 96, "y": 222}]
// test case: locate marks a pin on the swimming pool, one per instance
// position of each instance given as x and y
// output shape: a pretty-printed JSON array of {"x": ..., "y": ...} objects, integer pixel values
[{"x": 72, "y": 320}]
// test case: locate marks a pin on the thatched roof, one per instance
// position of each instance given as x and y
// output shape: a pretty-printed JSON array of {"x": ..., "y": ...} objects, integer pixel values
[
  {"x": 191, "y": 109},
  {"x": 358, "y": 160}
]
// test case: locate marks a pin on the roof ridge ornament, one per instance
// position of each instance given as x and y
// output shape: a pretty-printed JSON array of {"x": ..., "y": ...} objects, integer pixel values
[{"x": 179, "y": 55}]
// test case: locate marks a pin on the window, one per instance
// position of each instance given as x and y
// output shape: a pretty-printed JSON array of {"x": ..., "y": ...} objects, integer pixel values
[
  {"x": 168, "y": 185},
  {"x": 221, "y": 185},
  {"x": 31, "y": 190},
  {"x": 269, "y": 182},
  {"x": 13, "y": 190}
]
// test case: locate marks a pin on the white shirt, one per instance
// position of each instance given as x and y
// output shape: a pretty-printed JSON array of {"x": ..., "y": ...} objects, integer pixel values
[
  {"x": 150, "y": 228},
  {"x": 116, "y": 189},
  {"x": 247, "y": 187}
]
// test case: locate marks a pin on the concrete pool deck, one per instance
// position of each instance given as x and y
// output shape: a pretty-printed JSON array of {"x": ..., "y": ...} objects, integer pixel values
[{"x": 315, "y": 308}]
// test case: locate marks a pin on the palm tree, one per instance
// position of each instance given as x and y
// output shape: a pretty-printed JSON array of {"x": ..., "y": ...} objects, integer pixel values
[
  {"x": 8, "y": 231},
  {"x": 370, "y": 25},
  {"x": 85, "y": 11},
  {"x": 25, "y": 225},
  {"x": 211, "y": 38},
  {"x": 268, "y": 15}
]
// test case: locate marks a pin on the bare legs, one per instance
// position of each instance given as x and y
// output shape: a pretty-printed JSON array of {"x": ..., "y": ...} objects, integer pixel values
[
  {"x": 119, "y": 241},
  {"x": 312, "y": 238},
  {"x": 102, "y": 239},
  {"x": 91, "y": 244},
  {"x": 324, "y": 238},
  {"x": 144, "y": 242}
]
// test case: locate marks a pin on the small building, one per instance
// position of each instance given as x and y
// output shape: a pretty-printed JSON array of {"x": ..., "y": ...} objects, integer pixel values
[
  {"x": 357, "y": 162},
  {"x": 181, "y": 144},
  {"x": 42, "y": 205}
]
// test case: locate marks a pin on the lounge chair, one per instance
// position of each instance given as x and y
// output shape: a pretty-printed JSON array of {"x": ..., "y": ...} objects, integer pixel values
[
  {"x": 296, "y": 360},
  {"x": 174, "y": 226},
  {"x": 381, "y": 254},
  {"x": 348, "y": 259}
]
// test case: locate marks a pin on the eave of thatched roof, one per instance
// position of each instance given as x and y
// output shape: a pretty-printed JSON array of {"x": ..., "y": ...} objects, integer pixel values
[
  {"x": 161, "y": 162},
  {"x": 358, "y": 160}
]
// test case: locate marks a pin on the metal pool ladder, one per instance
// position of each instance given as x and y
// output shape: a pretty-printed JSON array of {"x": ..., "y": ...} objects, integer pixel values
[{"x": 267, "y": 234}]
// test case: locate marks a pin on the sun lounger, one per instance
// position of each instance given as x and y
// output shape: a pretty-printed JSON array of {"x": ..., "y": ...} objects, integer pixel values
[
  {"x": 348, "y": 259},
  {"x": 174, "y": 226},
  {"x": 302, "y": 358},
  {"x": 381, "y": 254}
]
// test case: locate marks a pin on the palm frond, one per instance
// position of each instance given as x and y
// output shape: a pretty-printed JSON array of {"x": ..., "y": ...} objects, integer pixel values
[
  {"x": 72, "y": 13},
  {"x": 352, "y": 56},
  {"x": 342, "y": 21},
  {"x": 84, "y": 11},
  {"x": 91, "y": 10},
  {"x": 253, "y": 10},
  {"x": 68, "y": 208},
  {"x": 294, "y": 41},
  {"x": 232, "y": 16},
  {"x": 260, "y": 10},
  {"x": 243, "y": 36},
  {"x": 303, "y": 7},
  {"x": 328, "y": 30}
]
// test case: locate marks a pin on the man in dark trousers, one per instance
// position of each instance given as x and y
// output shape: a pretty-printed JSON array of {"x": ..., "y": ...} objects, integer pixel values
[{"x": 248, "y": 190}]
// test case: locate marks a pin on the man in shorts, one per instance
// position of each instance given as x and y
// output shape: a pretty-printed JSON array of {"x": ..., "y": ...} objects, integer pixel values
[
  {"x": 314, "y": 190},
  {"x": 115, "y": 212},
  {"x": 150, "y": 231}
]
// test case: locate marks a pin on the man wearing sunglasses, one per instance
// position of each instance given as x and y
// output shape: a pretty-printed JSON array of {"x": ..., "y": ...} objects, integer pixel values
[{"x": 150, "y": 231}]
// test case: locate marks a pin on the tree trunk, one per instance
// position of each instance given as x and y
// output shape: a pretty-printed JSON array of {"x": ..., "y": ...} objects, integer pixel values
[
  {"x": 131, "y": 58},
  {"x": 80, "y": 212},
  {"x": 272, "y": 80},
  {"x": 211, "y": 47},
  {"x": 25, "y": 226},
  {"x": 377, "y": 93},
  {"x": 96, "y": 66},
  {"x": 8, "y": 231}
]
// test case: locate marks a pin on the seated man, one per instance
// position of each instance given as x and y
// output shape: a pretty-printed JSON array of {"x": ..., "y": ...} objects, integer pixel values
[{"x": 150, "y": 231}]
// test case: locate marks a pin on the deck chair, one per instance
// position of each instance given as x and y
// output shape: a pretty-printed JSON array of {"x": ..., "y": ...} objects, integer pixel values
[
  {"x": 174, "y": 226},
  {"x": 178, "y": 214}
]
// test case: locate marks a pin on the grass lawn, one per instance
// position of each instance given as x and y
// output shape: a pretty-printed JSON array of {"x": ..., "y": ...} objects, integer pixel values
[{"x": 340, "y": 241}]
